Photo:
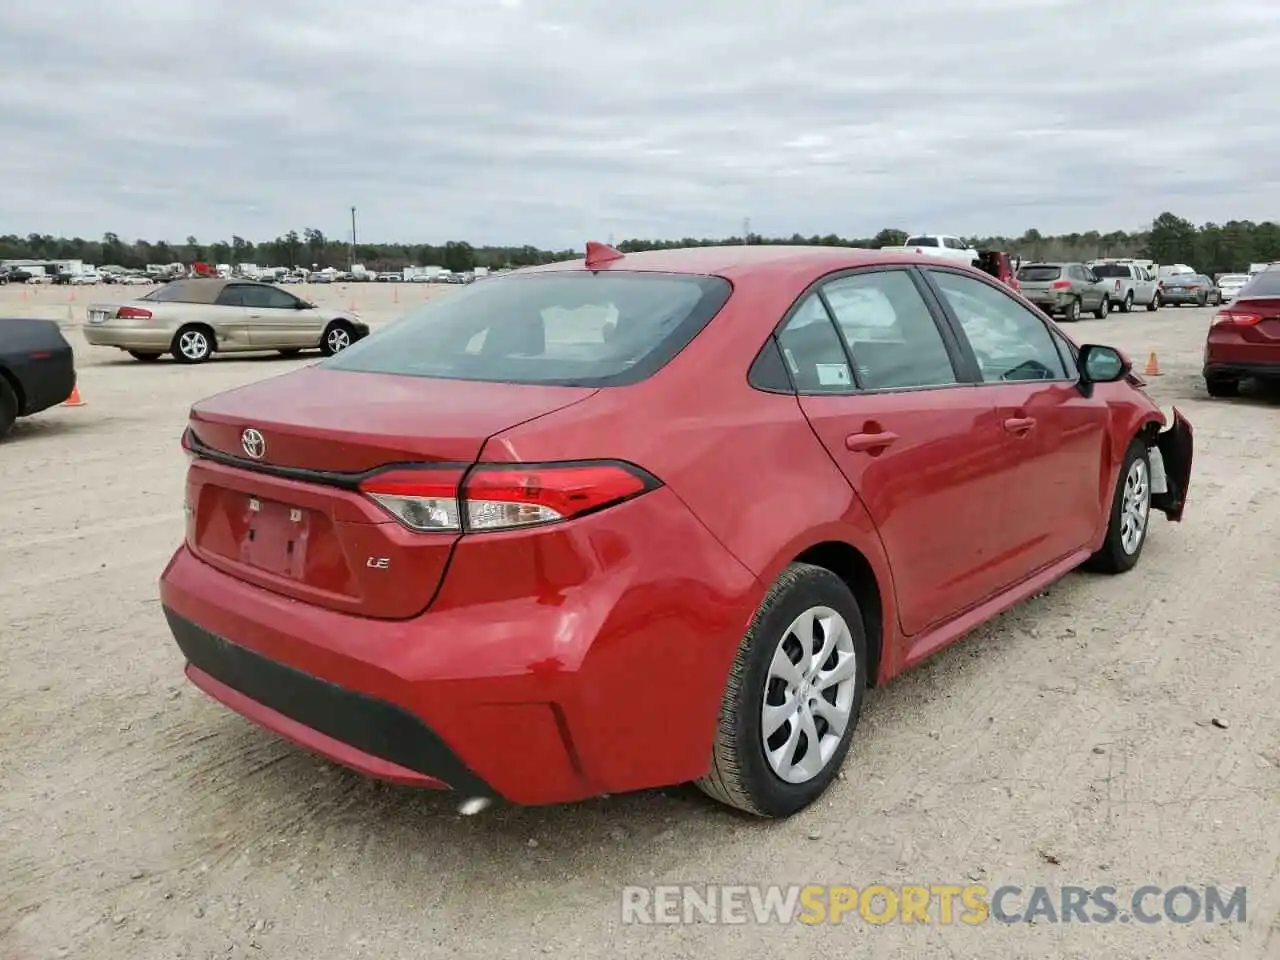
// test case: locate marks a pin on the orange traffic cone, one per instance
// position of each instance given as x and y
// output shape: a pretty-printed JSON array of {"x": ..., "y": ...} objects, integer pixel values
[
  {"x": 71, "y": 297},
  {"x": 1153, "y": 366},
  {"x": 352, "y": 307},
  {"x": 74, "y": 400}
]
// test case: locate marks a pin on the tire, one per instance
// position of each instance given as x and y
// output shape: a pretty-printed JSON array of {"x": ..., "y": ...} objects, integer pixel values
[
  {"x": 192, "y": 344},
  {"x": 1203, "y": 301},
  {"x": 8, "y": 407},
  {"x": 1154, "y": 305},
  {"x": 337, "y": 337},
  {"x": 1126, "y": 306},
  {"x": 1130, "y": 509},
  {"x": 144, "y": 356},
  {"x": 1221, "y": 387},
  {"x": 742, "y": 775},
  {"x": 1104, "y": 308},
  {"x": 1072, "y": 313}
]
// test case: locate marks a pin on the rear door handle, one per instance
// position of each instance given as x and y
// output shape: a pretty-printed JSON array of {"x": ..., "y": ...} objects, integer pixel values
[
  {"x": 864, "y": 442},
  {"x": 1020, "y": 424}
]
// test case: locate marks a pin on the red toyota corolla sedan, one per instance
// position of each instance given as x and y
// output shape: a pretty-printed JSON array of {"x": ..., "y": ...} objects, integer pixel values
[
  {"x": 647, "y": 519},
  {"x": 1244, "y": 338}
]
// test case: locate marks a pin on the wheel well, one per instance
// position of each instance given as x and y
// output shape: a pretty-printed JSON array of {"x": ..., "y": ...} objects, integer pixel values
[
  {"x": 847, "y": 563},
  {"x": 339, "y": 322},
  {"x": 16, "y": 387}
]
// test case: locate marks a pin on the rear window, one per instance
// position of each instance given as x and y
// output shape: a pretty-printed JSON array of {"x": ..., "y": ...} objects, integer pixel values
[
  {"x": 1111, "y": 270},
  {"x": 176, "y": 291},
  {"x": 1234, "y": 278},
  {"x": 921, "y": 242},
  {"x": 1265, "y": 284},
  {"x": 568, "y": 329},
  {"x": 1038, "y": 274}
]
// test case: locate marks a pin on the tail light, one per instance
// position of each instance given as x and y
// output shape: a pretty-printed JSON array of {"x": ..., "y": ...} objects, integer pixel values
[
  {"x": 1117, "y": 285},
  {"x": 1236, "y": 320},
  {"x": 1061, "y": 285},
  {"x": 502, "y": 496},
  {"x": 1194, "y": 286},
  {"x": 133, "y": 313},
  {"x": 187, "y": 446}
]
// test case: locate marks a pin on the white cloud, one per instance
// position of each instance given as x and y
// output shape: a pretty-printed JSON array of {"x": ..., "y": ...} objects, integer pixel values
[{"x": 548, "y": 121}]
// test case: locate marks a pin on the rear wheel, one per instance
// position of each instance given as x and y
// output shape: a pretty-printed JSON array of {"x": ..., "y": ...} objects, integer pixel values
[
  {"x": 1072, "y": 313},
  {"x": 1222, "y": 387},
  {"x": 1130, "y": 514},
  {"x": 145, "y": 356},
  {"x": 793, "y": 696},
  {"x": 337, "y": 337},
  {"x": 192, "y": 344},
  {"x": 8, "y": 407}
]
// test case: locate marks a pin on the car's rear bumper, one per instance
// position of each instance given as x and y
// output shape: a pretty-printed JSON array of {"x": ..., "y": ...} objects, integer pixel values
[
  {"x": 1235, "y": 370},
  {"x": 1182, "y": 298},
  {"x": 112, "y": 334},
  {"x": 609, "y": 685}
]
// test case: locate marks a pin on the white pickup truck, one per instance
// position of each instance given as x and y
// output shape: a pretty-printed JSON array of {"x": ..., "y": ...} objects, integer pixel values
[{"x": 937, "y": 244}]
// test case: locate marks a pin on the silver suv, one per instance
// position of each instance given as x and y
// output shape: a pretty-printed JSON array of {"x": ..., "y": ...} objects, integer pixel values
[{"x": 1064, "y": 289}]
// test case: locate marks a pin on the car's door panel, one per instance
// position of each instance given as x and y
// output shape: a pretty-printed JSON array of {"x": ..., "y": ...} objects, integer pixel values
[
  {"x": 226, "y": 315},
  {"x": 276, "y": 320},
  {"x": 1054, "y": 433},
  {"x": 923, "y": 451}
]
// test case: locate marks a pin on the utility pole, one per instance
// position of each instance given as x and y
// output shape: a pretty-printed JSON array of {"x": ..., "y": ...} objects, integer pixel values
[{"x": 352, "y": 264}]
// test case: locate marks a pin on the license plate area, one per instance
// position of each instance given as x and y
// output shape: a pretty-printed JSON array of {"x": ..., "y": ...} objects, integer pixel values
[
  {"x": 97, "y": 316},
  {"x": 274, "y": 536}
]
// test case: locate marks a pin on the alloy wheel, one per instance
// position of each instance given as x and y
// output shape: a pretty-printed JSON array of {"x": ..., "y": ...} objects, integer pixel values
[
  {"x": 339, "y": 339},
  {"x": 809, "y": 695},
  {"x": 194, "y": 345},
  {"x": 1135, "y": 506}
]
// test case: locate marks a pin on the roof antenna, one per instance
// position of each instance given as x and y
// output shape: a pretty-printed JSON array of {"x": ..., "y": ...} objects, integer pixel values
[{"x": 601, "y": 253}]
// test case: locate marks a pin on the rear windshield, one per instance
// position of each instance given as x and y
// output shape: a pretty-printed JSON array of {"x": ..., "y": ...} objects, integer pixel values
[
  {"x": 1234, "y": 278},
  {"x": 1265, "y": 284},
  {"x": 1111, "y": 270},
  {"x": 921, "y": 242},
  {"x": 572, "y": 329},
  {"x": 1036, "y": 274}
]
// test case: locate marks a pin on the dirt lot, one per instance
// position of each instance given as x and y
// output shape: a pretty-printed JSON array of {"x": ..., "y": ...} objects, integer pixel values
[{"x": 1072, "y": 742}]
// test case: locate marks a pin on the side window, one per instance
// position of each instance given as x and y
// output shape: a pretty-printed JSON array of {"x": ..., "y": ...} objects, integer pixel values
[
  {"x": 267, "y": 297},
  {"x": 892, "y": 336},
  {"x": 1010, "y": 342},
  {"x": 231, "y": 296},
  {"x": 813, "y": 351}
]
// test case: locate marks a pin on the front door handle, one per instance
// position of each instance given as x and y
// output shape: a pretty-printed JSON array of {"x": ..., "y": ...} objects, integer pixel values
[
  {"x": 1020, "y": 425},
  {"x": 867, "y": 442}
]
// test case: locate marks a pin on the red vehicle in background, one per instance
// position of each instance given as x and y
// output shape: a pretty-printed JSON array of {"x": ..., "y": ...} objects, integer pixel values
[
  {"x": 998, "y": 264},
  {"x": 1244, "y": 337},
  {"x": 637, "y": 520}
]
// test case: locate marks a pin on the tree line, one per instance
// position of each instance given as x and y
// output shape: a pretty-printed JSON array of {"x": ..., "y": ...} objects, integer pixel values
[{"x": 1210, "y": 248}]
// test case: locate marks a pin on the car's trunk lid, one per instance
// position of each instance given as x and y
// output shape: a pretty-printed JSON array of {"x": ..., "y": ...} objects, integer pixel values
[{"x": 281, "y": 507}]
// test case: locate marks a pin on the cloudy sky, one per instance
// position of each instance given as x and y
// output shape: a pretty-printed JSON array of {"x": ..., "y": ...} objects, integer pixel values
[{"x": 554, "y": 121}]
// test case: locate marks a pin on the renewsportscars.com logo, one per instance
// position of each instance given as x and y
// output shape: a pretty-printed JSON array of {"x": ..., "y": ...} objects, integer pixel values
[{"x": 929, "y": 904}]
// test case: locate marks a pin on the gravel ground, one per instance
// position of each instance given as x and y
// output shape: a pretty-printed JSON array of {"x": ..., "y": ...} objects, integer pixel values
[{"x": 1112, "y": 731}]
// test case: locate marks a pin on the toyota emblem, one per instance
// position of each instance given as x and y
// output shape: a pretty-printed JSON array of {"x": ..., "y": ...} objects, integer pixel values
[{"x": 254, "y": 445}]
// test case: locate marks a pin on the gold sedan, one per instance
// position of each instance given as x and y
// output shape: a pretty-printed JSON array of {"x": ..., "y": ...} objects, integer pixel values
[{"x": 193, "y": 319}]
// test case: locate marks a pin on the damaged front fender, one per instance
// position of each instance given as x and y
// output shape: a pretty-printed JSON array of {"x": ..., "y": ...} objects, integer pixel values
[{"x": 1175, "y": 446}]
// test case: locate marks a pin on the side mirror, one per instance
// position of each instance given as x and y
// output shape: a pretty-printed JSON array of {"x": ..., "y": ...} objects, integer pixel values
[{"x": 1099, "y": 364}]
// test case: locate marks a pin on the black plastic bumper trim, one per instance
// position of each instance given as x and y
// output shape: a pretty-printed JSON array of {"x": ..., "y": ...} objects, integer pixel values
[{"x": 374, "y": 726}]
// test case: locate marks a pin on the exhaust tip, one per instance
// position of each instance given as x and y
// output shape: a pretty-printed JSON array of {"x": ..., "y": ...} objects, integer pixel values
[{"x": 472, "y": 806}]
